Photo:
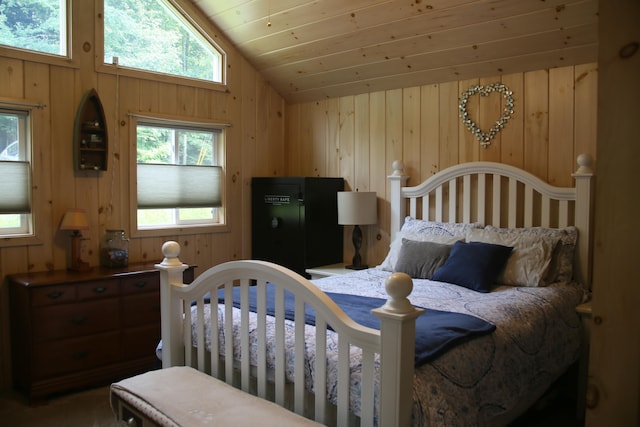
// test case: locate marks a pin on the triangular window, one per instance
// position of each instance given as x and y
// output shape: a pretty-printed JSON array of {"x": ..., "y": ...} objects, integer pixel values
[{"x": 152, "y": 35}]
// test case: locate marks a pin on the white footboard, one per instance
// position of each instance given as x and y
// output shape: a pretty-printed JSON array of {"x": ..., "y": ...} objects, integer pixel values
[{"x": 242, "y": 348}]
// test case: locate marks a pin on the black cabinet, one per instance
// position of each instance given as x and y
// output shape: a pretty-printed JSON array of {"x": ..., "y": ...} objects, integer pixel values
[{"x": 295, "y": 221}]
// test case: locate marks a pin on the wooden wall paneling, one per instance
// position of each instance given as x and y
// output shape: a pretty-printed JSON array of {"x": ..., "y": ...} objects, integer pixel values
[
  {"x": 293, "y": 145},
  {"x": 346, "y": 134},
  {"x": 333, "y": 155},
  {"x": 263, "y": 156},
  {"x": 411, "y": 130},
  {"x": 393, "y": 120},
  {"x": 536, "y": 122},
  {"x": 586, "y": 112},
  {"x": 276, "y": 131},
  {"x": 429, "y": 131},
  {"x": 65, "y": 193},
  {"x": 12, "y": 77},
  {"x": 449, "y": 125},
  {"x": 40, "y": 256},
  {"x": 468, "y": 145},
  {"x": 362, "y": 147},
  {"x": 378, "y": 171},
  {"x": 186, "y": 101},
  {"x": 313, "y": 138},
  {"x": 148, "y": 94},
  {"x": 167, "y": 97},
  {"x": 512, "y": 136},
  {"x": 247, "y": 127},
  {"x": 561, "y": 113}
]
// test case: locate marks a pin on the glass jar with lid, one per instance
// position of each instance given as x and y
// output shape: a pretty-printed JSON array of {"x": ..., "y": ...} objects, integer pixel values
[{"x": 114, "y": 249}]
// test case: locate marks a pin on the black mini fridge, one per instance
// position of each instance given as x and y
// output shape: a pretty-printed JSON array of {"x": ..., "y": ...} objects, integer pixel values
[{"x": 294, "y": 221}]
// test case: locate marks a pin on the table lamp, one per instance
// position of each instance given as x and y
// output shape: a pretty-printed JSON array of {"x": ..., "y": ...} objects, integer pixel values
[
  {"x": 75, "y": 219},
  {"x": 357, "y": 208}
]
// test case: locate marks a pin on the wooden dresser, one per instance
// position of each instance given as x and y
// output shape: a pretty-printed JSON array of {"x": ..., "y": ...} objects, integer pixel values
[{"x": 78, "y": 329}]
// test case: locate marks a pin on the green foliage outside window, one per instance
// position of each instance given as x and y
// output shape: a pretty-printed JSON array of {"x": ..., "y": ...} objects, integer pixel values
[{"x": 38, "y": 25}]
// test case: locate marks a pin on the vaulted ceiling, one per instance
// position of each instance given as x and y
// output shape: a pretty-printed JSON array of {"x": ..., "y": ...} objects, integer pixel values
[{"x": 316, "y": 49}]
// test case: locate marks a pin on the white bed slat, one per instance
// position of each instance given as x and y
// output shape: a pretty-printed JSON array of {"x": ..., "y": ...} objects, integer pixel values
[
  {"x": 439, "y": 204},
  {"x": 413, "y": 211},
  {"x": 453, "y": 200},
  {"x": 228, "y": 332},
  {"x": 320, "y": 380},
  {"x": 215, "y": 343},
  {"x": 426, "y": 207},
  {"x": 495, "y": 210},
  {"x": 299, "y": 356},
  {"x": 482, "y": 198},
  {"x": 344, "y": 378},
  {"x": 201, "y": 336},
  {"x": 563, "y": 213},
  {"x": 513, "y": 202},
  {"x": 528, "y": 206},
  {"x": 245, "y": 356},
  {"x": 187, "y": 333},
  {"x": 545, "y": 212},
  {"x": 262, "y": 338},
  {"x": 466, "y": 198},
  {"x": 280, "y": 346},
  {"x": 367, "y": 384}
]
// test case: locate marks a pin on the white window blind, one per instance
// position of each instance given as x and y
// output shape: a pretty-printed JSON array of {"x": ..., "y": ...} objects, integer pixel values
[
  {"x": 14, "y": 187},
  {"x": 178, "y": 186}
]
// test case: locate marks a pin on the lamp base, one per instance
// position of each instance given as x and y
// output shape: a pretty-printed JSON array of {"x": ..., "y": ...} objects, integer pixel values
[
  {"x": 76, "y": 262},
  {"x": 357, "y": 267}
]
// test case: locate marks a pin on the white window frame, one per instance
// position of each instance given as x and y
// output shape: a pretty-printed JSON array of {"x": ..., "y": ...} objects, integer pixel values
[
  {"x": 184, "y": 226},
  {"x": 27, "y": 234},
  {"x": 65, "y": 59},
  {"x": 191, "y": 16}
]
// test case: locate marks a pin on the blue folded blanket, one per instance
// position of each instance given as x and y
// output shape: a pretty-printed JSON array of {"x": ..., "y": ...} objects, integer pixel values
[{"x": 436, "y": 331}]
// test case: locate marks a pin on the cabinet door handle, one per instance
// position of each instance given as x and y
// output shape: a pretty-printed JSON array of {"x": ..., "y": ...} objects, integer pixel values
[
  {"x": 140, "y": 284},
  {"x": 55, "y": 294},
  {"x": 79, "y": 320},
  {"x": 99, "y": 289}
]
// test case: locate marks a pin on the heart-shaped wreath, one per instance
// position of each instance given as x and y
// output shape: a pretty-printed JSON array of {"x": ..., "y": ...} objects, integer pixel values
[{"x": 486, "y": 137}]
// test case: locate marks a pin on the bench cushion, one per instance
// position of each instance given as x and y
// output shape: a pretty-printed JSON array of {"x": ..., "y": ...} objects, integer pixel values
[{"x": 183, "y": 396}]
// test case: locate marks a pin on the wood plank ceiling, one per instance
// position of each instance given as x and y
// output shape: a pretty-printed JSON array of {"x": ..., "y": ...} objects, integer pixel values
[{"x": 316, "y": 49}]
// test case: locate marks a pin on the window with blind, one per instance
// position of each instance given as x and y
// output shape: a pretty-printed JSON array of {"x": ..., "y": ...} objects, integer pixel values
[
  {"x": 15, "y": 173},
  {"x": 179, "y": 174}
]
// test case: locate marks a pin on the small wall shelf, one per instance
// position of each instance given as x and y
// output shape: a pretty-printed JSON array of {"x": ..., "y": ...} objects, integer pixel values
[{"x": 90, "y": 136}]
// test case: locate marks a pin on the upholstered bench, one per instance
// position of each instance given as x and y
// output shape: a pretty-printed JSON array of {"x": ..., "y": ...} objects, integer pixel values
[{"x": 183, "y": 396}]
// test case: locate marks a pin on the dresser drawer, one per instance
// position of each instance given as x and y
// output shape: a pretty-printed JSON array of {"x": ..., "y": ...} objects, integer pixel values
[
  {"x": 149, "y": 282},
  {"x": 73, "y": 320},
  {"x": 98, "y": 289},
  {"x": 53, "y": 295},
  {"x": 141, "y": 341},
  {"x": 141, "y": 309},
  {"x": 75, "y": 354}
]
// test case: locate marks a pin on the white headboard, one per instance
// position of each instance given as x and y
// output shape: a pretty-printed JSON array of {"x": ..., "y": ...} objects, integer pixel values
[{"x": 500, "y": 195}]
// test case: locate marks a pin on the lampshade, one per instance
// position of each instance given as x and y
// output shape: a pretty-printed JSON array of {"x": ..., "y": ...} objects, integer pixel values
[
  {"x": 74, "y": 219},
  {"x": 357, "y": 208}
]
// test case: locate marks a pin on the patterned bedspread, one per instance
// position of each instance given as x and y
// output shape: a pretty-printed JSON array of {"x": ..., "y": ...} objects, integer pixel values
[{"x": 489, "y": 378}]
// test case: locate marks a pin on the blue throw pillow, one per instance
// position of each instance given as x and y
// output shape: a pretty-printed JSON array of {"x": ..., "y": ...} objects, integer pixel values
[{"x": 474, "y": 265}]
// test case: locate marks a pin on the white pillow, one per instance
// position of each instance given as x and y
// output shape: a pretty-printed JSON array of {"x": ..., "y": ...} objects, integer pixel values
[
  {"x": 425, "y": 231},
  {"x": 529, "y": 260}
]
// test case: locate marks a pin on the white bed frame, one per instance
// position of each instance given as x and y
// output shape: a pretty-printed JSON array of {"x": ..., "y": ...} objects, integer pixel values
[{"x": 491, "y": 193}]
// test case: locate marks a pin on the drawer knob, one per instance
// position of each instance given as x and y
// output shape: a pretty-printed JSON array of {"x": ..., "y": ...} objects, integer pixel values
[
  {"x": 131, "y": 422},
  {"x": 99, "y": 289},
  {"x": 55, "y": 295},
  {"x": 140, "y": 284}
]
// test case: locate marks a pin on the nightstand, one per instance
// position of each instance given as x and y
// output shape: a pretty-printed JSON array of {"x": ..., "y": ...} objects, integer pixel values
[
  {"x": 584, "y": 311},
  {"x": 328, "y": 270}
]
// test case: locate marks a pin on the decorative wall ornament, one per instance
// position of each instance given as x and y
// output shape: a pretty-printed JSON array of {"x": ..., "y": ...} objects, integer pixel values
[{"x": 486, "y": 137}]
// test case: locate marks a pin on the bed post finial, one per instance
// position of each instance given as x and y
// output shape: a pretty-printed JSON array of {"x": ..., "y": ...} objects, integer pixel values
[
  {"x": 585, "y": 163},
  {"x": 397, "y": 179},
  {"x": 398, "y": 168},
  {"x": 398, "y": 287},
  {"x": 171, "y": 250}
]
